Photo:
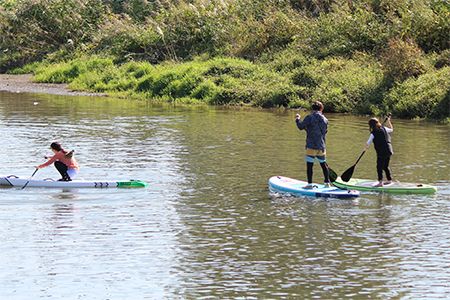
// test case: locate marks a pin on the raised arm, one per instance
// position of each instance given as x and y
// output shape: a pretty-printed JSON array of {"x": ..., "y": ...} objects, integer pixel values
[
  {"x": 389, "y": 124},
  {"x": 301, "y": 124}
]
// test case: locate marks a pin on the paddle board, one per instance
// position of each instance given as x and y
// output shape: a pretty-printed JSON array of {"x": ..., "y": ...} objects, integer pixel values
[
  {"x": 395, "y": 187},
  {"x": 14, "y": 181},
  {"x": 294, "y": 187}
]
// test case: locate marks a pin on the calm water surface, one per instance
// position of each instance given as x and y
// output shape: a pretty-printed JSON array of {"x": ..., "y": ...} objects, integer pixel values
[{"x": 207, "y": 227}]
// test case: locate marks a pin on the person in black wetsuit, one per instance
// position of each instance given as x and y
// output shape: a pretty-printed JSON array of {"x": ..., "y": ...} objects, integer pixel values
[
  {"x": 316, "y": 126},
  {"x": 381, "y": 138}
]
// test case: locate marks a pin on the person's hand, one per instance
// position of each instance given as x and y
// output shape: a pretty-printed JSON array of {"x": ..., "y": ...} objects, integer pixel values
[
  {"x": 37, "y": 167},
  {"x": 297, "y": 116}
]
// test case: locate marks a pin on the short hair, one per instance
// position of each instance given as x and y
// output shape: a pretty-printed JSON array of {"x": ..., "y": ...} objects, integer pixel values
[{"x": 317, "y": 105}]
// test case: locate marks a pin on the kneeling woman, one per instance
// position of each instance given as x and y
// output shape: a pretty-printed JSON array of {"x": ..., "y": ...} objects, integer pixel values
[{"x": 64, "y": 162}]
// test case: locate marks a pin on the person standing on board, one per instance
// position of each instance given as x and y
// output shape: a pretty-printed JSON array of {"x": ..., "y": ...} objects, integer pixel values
[
  {"x": 64, "y": 162},
  {"x": 381, "y": 138},
  {"x": 316, "y": 126}
]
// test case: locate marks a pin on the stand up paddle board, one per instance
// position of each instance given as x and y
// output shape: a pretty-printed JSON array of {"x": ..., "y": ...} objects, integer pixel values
[
  {"x": 295, "y": 187},
  {"x": 395, "y": 187},
  {"x": 14, "y": 181}
]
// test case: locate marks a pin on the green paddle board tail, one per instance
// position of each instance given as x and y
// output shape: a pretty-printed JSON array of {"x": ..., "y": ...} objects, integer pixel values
[
  {"x": 132, "y": 184},
  {"x": 394, "y": 188}
]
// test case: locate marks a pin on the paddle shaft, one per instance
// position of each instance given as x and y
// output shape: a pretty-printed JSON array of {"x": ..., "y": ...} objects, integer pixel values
[
  {"x": 30, "y": 178},
  {"x": 359, "y": 158}
]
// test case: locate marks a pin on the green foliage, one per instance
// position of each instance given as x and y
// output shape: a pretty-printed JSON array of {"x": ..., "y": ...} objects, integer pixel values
[
  {"x": 344, "y": 85},
  {"x": 206, "y": 90},
  {"x": 260, "y": 26},
  {"x": 126, "y": 40},
  {"x": 314, "y": 8},
  {"x": 137, "y": 9},
  {"x": 443, "y": 59},
  {"x": 28, "y": 69},
  {"x": 177, "y": 32},
  {"x": 8, "y": 4},
  {"x": 427, "y": 22},
  {"x": 190, "y": 29},
  {"x": 217, "y": 81},
  {"x": 403, "y": 59},
  {"x": 287, "y": 60},
  {"x": 343, "y": 32},
  {"x": 425, "y": 96},
  {"x": 67, "y": 72},
  {"x": 36, "y": 28},
  {"x": 355, "y": 56}
]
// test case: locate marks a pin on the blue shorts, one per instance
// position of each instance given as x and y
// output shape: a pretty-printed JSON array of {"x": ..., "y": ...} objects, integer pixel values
[{"x": 313, "y": 154}]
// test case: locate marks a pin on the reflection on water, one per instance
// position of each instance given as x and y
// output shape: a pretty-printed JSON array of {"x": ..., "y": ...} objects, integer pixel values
[{"x": 207, "y": 225}]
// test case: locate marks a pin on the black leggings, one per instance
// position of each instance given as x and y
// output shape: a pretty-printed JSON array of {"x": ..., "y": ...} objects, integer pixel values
[
  {"x": 383, "y": 165},
  {"x": 309, "y": 171},
  {"x": 62, "y": 169}
]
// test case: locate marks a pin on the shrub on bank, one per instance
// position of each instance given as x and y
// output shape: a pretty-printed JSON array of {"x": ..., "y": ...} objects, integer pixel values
[
  {"x": 343, "y": 32},
  {"x": 123, "y": 39},
  {"x": 425, "y": 96},
  {"x": 181, "y": 32},
  {"x": 343, "y": 85},
  {"x": 428, "y": 24},
  {"x": 32, "y": 29},
  {"x": 403, "y": 59}
]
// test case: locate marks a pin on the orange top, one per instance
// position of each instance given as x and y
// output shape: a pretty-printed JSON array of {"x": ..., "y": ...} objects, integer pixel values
[{"x": 61, "y": 156}]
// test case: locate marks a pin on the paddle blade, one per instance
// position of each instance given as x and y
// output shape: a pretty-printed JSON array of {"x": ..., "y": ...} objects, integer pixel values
[
  {"x": 348, "y": 174},
  {"x": 332, "y": 175}
]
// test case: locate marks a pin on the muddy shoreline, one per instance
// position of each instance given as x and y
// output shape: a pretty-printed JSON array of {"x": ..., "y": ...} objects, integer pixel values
[{"x": 24, "y": 84}]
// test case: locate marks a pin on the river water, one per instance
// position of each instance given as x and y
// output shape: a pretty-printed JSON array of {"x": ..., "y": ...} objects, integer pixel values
[{"x": 207, "y": 226}]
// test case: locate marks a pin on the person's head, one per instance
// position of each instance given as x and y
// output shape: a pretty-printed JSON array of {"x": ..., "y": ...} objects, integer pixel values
[
  {"x": 317, "y": 106},
  {"x": 56, "y": 146},
  {"x": 374, "y": 124}
]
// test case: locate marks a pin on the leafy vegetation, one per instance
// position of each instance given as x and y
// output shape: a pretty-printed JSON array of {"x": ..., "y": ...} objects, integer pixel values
[
  {"x": 360, "y": 56},
  {"x": 424, "y": 96}
]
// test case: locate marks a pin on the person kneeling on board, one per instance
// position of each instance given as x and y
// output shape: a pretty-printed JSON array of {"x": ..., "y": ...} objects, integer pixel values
[{"x": 64, "y": 162}]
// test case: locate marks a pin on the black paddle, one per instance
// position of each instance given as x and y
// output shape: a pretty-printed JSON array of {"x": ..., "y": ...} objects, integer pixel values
[
  {"x": 332, "y": 174},
  {"x": 30, "y": 178},
  {"x": 349, "y": 172}
]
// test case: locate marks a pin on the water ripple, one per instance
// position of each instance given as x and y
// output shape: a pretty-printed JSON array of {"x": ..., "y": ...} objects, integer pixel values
[{"x": 207, "y": 227}]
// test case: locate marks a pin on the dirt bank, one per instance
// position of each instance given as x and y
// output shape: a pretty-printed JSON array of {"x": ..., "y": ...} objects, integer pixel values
[{"x": 24, "y": 84}]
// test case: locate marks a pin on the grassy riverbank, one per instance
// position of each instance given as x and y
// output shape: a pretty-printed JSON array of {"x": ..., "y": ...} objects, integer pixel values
[{"x": 355, "y": 56}]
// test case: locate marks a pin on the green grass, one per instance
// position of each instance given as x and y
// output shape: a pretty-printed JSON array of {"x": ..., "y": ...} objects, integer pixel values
[
  {"x": 215, "y": 81},
  {"x": 354, "y": 84}
]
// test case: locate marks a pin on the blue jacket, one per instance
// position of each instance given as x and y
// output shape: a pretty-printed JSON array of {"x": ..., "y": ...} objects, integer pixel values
[{"x": 316, "y": 126}]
